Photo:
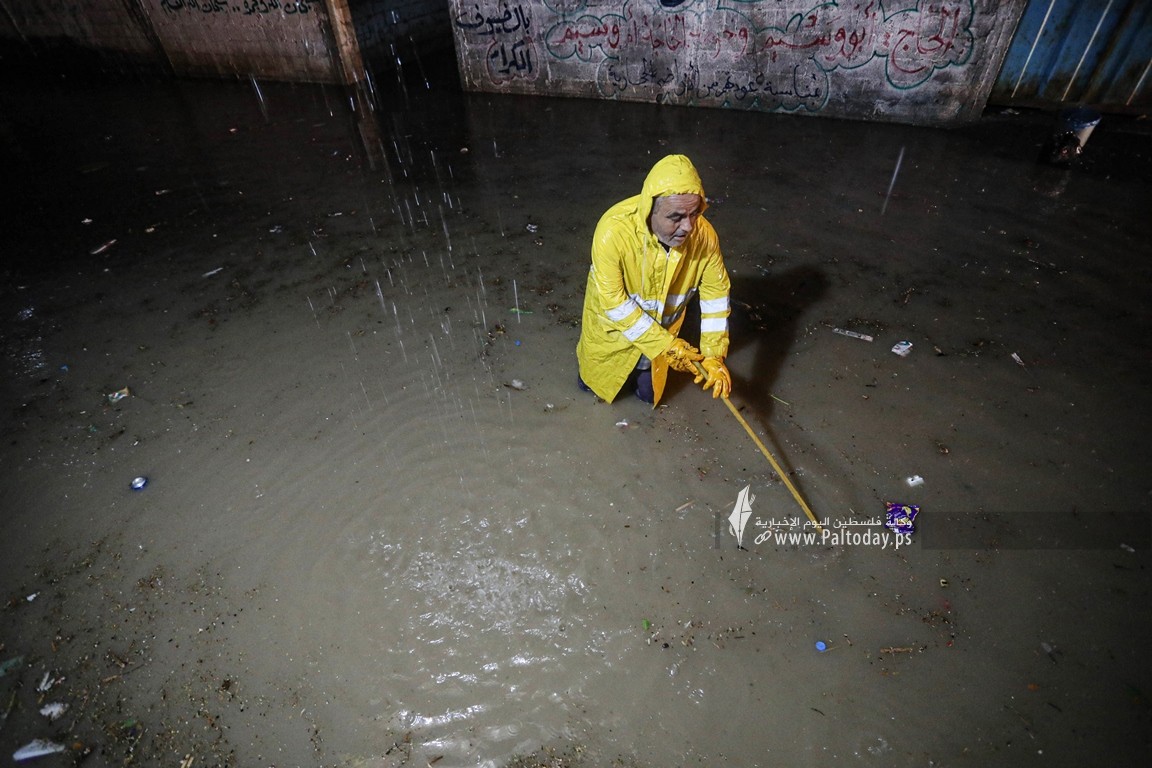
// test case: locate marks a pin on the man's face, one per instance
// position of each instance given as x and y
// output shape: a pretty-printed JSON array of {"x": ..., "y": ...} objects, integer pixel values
[{"x": 674, "y": 217}]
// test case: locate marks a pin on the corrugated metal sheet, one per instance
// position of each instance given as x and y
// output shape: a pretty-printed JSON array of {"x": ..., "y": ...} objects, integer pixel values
[{"x": 1096, "y": 52}]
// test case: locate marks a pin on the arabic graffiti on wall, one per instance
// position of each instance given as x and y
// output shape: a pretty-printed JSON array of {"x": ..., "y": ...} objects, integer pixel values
[
  {"x": 511, "y": 52},
  {"x": 282, "y": 39},
  {"x": 245, "y": 7},
  {"x": 765, "y": 54}
]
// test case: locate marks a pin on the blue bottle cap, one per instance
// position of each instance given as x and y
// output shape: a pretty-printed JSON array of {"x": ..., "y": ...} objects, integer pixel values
[
  {"x": 821, "y": 646},
  {"x": 138, "y": 483}
]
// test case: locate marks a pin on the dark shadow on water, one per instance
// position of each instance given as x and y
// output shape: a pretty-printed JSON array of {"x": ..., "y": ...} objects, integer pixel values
[
  {"x": 766, "y": 317},
  {"x": 767, "y": 313}
]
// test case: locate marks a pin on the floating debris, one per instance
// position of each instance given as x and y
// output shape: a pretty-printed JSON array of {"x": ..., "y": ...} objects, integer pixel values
[
  {"x": 54, "y": 710},
  {"x": 896, "y": 649},
  {"x": 10, "y": 664},
  {"x": 852, "y": 334},
  {"x": 900, "y": 517},
  {"x": 37, "y": 748},
  {"x": 101, "y": 248},
  {"x": 47, "y": 682}
]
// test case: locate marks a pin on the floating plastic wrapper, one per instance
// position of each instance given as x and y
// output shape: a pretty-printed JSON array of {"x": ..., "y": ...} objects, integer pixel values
[
  {"x": 1072, "y": 132},
  {"x": 900, "y": 517},
  {"x": 1080, "y": 121}
]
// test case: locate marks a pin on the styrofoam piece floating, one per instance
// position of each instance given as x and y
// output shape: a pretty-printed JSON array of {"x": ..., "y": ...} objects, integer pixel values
[{"x": 37, "y": 748}]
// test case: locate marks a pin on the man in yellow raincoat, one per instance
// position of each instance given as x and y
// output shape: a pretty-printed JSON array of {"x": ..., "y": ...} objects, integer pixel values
[{"x": 650, "y": 255}]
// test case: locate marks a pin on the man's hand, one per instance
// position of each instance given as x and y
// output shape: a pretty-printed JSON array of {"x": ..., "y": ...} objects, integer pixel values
[
  {"x": 718, "y": 379},
  {"x": 681, "y": 356}
]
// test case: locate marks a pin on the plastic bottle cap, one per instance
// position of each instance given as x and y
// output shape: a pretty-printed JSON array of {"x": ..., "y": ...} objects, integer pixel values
[{"x": 821, "y": 646}]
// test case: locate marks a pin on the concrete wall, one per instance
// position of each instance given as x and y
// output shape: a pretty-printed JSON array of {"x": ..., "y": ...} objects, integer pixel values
[
  {"x": 293, "y": 40},
  {"x": 34, "y": 27},
  {"x": 915, "y": 61},
  {"x": 277, "y": 39}
]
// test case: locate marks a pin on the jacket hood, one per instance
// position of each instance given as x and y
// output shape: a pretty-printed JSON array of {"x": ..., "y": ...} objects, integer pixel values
[{"x": 672, "y": 175}]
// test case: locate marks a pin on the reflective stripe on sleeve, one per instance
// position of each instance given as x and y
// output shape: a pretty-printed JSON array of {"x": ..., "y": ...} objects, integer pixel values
[
  {"x": 618, "y": 313},
  {"x": 636, "y": 330},
  {"x": 713, "y": 325},
  {"x": 653, "y": 306},
  {"x": 714, "y": 305},
  {"x": 674, "y": 306}
]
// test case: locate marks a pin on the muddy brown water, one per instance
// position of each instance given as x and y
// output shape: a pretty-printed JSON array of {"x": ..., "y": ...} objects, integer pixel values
[{"x": 361, "y": 545}]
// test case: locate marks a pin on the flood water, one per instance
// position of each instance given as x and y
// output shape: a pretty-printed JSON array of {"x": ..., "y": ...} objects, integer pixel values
[{"x": 383, "y": 527}]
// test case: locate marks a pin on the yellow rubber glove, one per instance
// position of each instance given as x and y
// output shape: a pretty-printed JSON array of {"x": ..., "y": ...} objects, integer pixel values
[
  {"x": 718, "y": 379},
  {"x": 681, "y": 355}
]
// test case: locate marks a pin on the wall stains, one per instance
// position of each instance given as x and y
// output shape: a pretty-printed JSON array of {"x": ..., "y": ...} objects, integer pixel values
[{"x": 915, "y": 61}]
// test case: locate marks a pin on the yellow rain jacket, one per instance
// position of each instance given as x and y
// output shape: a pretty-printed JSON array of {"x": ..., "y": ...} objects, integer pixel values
[{"x": 637, "y": 291}]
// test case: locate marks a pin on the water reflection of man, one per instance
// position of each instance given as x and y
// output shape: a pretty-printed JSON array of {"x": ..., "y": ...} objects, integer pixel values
[{"x": 650, "y": 255}]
